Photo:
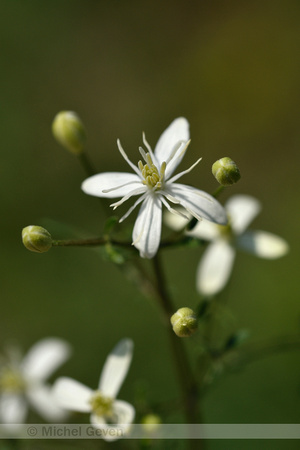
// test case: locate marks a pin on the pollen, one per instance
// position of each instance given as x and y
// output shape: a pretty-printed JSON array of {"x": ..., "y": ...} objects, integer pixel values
[
  {"x": 153, "y": 178},
  {"x": 11, "y": 381},
  {"x": 101, "y": 405}
]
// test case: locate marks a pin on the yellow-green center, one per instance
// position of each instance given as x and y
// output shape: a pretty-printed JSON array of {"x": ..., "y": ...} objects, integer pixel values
[
  {"x": 152, "y": 177},
  {"x": 226, "y": 230},
  {"x": 101, "y": 405},
  {"x": 11, "y": 381}
]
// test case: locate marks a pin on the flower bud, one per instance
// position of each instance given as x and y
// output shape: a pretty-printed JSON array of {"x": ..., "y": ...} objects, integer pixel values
[
  {"x": 36, "y": 239},
  {"x": 184, "y": 322},
  {"x": 151, "y": 423},
  {"x": 226, "y": 171},
  {"x": 69, "y": 131}
]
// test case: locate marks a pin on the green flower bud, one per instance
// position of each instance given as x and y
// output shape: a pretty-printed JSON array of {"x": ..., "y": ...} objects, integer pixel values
[
  {"x": 69, "y": 131},
  {"x": 184, "y": 322},
  {"x": 151, "y": 423},
  {"x": 36, "y": 239},
  {"x": 151, "y": 419},
  {"x": 226, "y": 171}
]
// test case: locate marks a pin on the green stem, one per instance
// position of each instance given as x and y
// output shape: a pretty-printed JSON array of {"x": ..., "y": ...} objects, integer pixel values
[
  {"x": 86, "y": 164},
  {"x": 100, "y": 241},
  {"x": 93, "y": 242},
  {"x": 187, "y": 382},
  {"x": 218, "y": 191}
]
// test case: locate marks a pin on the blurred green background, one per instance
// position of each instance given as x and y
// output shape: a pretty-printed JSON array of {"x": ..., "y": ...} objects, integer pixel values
[{"x": 232, "y": 69}]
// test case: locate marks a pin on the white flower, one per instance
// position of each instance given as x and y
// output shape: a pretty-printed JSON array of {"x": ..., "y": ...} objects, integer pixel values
[
  {"x": 217, "y": 261},
  {"x": 107, "y": 413},
  {"x": 153, "y": 182},
  {"x": 22, "y": 382}
]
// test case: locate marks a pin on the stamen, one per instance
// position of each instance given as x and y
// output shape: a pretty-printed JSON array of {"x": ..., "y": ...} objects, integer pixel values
[
  {"x": 121, "y": 150},
  {"x": 172, "y": 210},
  {"x": 171, "y": 198},
  {"x": 11, "y": 381},
  {"x": 175, "y": 149},
  {"x": 101, "y": 405},
  {"x": 148, "y": 148},
  {"x": 179, "y": 175},
  {"x": 139, "y": 200},
  {"x": 149, "y": 160},
  {"x": 162, "y": 169},
  {"x": 126, "y": 197},
  {"x": 143, "y": 153}
]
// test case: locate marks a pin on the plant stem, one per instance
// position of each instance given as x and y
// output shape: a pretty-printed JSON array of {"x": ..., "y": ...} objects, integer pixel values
[
  {"x": 187, "y": 382},
  {"x": 86, "y": 164},
  {"x": 218, "y": 191}
]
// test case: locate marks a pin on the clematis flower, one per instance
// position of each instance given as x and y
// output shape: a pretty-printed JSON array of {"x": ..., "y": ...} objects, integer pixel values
[
  {"x": 154, "y": 183},
  {"x": 22, "y": 382},
  {"x": 217, "y": 261},
  {"x": 107, "y": 413}
]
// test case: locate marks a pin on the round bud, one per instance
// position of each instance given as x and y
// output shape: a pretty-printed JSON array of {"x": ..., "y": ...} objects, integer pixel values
[
  {"x": 69, "y": 131},
  {"x": 151, "y": 423},
  {"x": 36, "y": 239},
  {"x": 226, "y": 171},
  {"x": 184, "y": 322}
]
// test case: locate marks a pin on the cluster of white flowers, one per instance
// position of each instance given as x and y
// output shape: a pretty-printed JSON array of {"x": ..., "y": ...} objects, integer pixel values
[{"x": 23, "y": 383}]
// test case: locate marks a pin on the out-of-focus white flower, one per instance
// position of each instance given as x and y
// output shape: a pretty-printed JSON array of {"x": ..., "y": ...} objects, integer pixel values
[
  {"x": 153, "y": 182},
  {"x": 216, "y": 263},
  {"x": 22, "y": 382},
  {"x": 110, "y": 415}
]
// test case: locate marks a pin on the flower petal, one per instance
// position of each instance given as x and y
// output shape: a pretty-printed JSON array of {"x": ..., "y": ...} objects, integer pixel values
[
  {"x": 147, "y": 229},
  {"x": 115, "y": 368},
  {"x": 263, "y": 244},
  {"x": 43, "y": 401},
  {"x": 44, "y": 358},
  {"x": 120, "y": 183},
  {"x": 215, "y": 267},
  {"x": 198, "y": 203},
  {"x": 123, "y": 416},
  {"x": 176, "y": 132},
  {"x": 72, "y": 395},
  {"x": 206, "y": 230},
  {"x": 203, "y": 229},
  {"x": 13, "y": 409},
  {"x": 242, "y": 209}
]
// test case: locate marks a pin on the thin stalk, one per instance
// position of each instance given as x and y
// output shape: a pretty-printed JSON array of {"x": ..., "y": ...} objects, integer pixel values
[
  {"x": 218, "y": 191},
  {"x": 187, "y": 382},
  {"x": 86, "y": 164},
  {"x": 93, "y": 242}
]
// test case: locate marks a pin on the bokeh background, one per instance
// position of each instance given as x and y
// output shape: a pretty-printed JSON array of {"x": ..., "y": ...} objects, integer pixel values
[{"x": 232, "y": 68}]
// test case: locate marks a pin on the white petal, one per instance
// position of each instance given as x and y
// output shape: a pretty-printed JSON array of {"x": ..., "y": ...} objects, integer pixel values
[
  {"x": 44, "y": 358},
  {"x": 115, "y": 368},
  {"x": 175, "y": 159},
  {"x": 206, "y": 230},
  {"x": 96, "y": 184},
  {"x": 147, "y": 228},
  {"x": 198, "y": 203},
  {"x": 263, "y": 244},
  {"x": 43, "y": 401},
  {"x": 215, "y": 267},
  {"x": 13, "y": 409},
  {"x": 72, "y": 395},
  {"x": 176, "y": 222},
  {"x": 241, "y": 210},
  {"x": 123, "y": 414},
  {"x": 176, "y": 132}
]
